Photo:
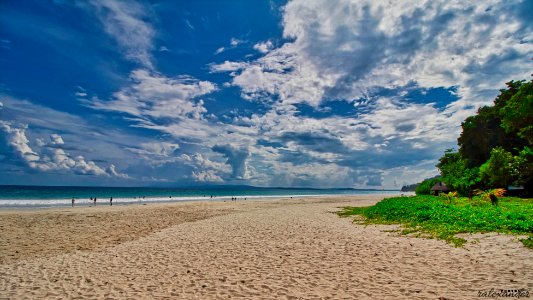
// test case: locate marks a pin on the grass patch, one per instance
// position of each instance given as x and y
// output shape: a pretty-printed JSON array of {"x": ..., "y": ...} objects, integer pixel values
[
  {"x": 528, "y": 242},
  {"x": 443, "y": 219}
]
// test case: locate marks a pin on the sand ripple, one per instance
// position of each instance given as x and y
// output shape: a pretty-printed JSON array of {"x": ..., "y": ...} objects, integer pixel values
[{"x": 282, "y": 250}]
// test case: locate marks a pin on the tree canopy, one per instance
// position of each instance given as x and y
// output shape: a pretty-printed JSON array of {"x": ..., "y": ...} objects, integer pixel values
[{"x": 495, "y": 145}]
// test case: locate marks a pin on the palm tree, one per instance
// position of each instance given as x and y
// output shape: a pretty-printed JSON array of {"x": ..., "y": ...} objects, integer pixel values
[{"x": 491, "y": 195}]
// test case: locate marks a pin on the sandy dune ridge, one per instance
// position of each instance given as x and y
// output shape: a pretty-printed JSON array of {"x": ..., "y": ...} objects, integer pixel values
[{"x": 285, "y": 249}]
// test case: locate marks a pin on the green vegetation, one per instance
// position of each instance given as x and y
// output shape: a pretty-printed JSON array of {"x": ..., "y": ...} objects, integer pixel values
[
  {"x": 455, "y": 173},
  {"x": 495, "y": 145},
  {"x": 425, "y": 186},
  {"x": 444, "y": 217},
  {"x": 495, "y": 152},
  {"x": 491, "y": 195},
  {"x": 409, "y": 188}
]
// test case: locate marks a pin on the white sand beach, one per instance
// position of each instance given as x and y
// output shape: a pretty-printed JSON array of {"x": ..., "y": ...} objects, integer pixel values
[{"x": 277, "y": 249}]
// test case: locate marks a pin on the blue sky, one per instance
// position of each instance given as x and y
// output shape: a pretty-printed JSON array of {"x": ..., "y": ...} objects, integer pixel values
[{"x": 363, "y": 94}]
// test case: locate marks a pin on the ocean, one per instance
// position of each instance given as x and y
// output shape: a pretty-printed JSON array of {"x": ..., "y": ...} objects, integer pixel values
[{"x": 56, "y": 196}]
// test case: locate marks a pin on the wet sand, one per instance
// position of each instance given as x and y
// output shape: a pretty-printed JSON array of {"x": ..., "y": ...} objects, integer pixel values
[{"x": 286, "y": 249}]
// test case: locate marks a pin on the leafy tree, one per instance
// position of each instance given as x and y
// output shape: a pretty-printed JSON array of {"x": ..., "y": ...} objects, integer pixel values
[
  {"x": 524, "y": 166},
  {"x": 424, "y": 188},
  {"x": 495, "y": 145},
  {"x": 500, "y": 170},
  {"x": 517, "y": 114},
  {"x": 410, "y": 187},
  {"x": 456, "y": 173},
  {"x": 484, "y": 131}
]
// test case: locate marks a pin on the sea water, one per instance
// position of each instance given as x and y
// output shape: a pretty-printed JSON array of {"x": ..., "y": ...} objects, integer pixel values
[{"x": 50, "y": 196}]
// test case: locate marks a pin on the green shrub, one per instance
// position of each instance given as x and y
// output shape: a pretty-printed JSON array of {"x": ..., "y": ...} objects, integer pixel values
[{"x": 425, "y": 186}]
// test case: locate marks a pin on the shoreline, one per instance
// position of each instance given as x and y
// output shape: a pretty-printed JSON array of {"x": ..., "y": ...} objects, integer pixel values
[{"x": 40, "y": 204}]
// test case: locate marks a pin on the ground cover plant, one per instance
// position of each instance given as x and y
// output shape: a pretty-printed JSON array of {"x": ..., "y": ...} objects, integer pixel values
[{"x": 444, "y": 217}]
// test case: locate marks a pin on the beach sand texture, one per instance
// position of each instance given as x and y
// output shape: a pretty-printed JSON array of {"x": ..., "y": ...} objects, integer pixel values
[{"x": 285, "y": 249}]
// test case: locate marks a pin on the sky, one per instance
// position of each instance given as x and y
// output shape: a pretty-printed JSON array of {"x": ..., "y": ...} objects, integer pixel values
[{"x": 302, "y": 93}]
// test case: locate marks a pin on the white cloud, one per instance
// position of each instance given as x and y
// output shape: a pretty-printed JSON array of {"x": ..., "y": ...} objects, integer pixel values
[
  {"x": 353, "y": 49},
  {"x": 153, "y": 96},
  {"x": 16, "y": 139},
  {"x": 264, "y": 47},
  {"x": 284, "y": 73},
  {"x": 205, "y": 170},
  {"x": 349, "y": 49},
  {"x": 234, "y": 42},
  {"x": 202, "y": 162},
  {"x": 112, "y": 170},
  {"x": 189, "y": 24},
  {"x": 157, "y": 153},
  {"x": 406, "y": 175},
  {"x": 206, "y": 176},
  {"x": 227, "y": 66},
  {"x": 308, "y": 174},
  {"x": 390, "y": 118},
  {"x": 56, "y": 139},
  {"x": 220, "y": 50},
  {"x": 125, "y": 22},
  {"x": 51, "y": 157},
  {"x": 164, "y": 149},
  {"x": 237, "y": 158}
]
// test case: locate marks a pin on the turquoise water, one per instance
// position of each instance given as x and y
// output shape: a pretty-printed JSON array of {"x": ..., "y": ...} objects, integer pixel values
[{"x": 45, "y": 196}]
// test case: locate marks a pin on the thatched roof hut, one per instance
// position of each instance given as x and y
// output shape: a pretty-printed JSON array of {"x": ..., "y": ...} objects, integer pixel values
[{"x": 439, "y": 187}]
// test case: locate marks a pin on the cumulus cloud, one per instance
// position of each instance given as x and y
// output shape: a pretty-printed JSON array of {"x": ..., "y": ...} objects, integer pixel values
[
  {"x": 234, "y": 42},
  {"x": 236, "y": 158},
  {"x": 164, "y": 149},
  {"x": 227, "y": 66},
  {"x": 157, "y": 153},
  {"x": 51, "y": 158},
  {"x": 205, "y": 169},
  {"x": 264, "y": 47},
  {"x": 112, "y": 170},
  {"x": 206, "y": 176},
  {"x": 309, "y": 174},
  {"x": 202, "y": 162},
  {"x": 16, "y": 139},
  {"x": 346, "y": 50},
  {"x": 56, "y": 139},
  {"x": 157, "y": 96},
  {"x": 349, "y": 51},
  {"x": 151, "y": 97},
  {"x": 353, "y": 50},
  {"x": 125, "y": 22}
]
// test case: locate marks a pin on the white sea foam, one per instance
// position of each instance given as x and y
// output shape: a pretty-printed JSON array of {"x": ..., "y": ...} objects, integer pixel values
[{"x": 28, "y": 203}]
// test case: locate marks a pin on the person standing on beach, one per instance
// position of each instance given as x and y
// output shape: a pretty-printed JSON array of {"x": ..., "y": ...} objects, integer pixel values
[
  {"x": 94, "y": 201},
  {"x": 111, "y": 201},
  {"x": 72, "y": 202}
]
